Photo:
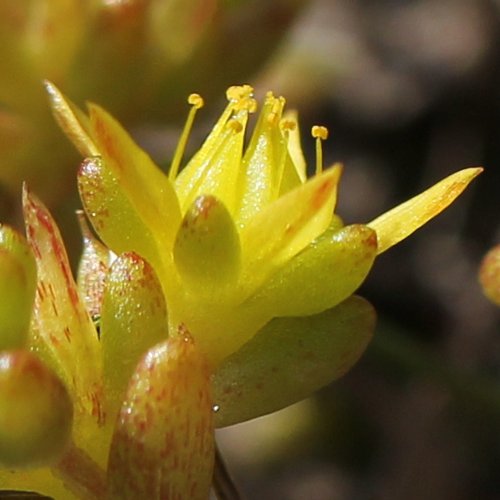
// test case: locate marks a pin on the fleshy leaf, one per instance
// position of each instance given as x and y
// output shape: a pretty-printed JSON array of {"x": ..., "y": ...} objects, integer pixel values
[
  {"x": 73, "y": 121},
  {"x": 342, "y": 259},
  {"x": 289, "y": 359},
  {"x": 163, "y": 445},
  {"x": 207, "y": 247},
  {"x": 61, "y": 322},
  {"x": 17, "y": 288},
  {"x": 134, "y": 318},
  {"x": 146, "y": 187},
  {"x": 92, "y": 269},
  {"x": 36, "y": 411},
  {"x": 113, "y": 216},
  {"x": 398, "y": 223},
  {"x": 288, "y": 225}
]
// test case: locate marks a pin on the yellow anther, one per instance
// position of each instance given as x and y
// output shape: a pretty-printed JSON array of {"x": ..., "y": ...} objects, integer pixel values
[
  {"x": 196, "y": 100},
  {"x": 235, "y": 125},
  {"x": 319, "y": 132},
  {"x": 241, "y": 98},
  {"x": 238, "y": 92},
  {"x": 288, "y": 125}
]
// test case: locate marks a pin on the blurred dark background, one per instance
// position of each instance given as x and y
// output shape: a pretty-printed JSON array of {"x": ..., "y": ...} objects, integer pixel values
[{"x": 410, "y": 91}]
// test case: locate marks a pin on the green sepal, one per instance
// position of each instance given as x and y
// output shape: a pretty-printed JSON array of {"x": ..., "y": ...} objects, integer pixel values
[
  {"x": 133, "y": 319},
  {"x": 289, "y": 359},
  {"x": 342, "y": 257},
  {"x": 17, "y": 288},
  {"x": 207, "y": 247}
]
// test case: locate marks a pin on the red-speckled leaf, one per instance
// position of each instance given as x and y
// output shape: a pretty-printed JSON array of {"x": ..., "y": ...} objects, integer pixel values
[
  {"x": 112, "y": 214},
  {"x": 92, "y": 269},
  {"x": 134, "y": 318},
  {"x": 61, "y": 322},
  {"x": 163, "y": 445},
  {"x": 289, "y": 359}
]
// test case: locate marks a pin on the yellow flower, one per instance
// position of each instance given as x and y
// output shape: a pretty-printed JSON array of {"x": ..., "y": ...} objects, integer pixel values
[{"x": 232, "y": 279}]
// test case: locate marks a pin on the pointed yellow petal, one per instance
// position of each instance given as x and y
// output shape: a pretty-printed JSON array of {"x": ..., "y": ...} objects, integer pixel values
[
  {"x": 207, "y": 247},
  {"x": 260, "y": 175},
  {"x": 134, "y": 318},
  {"x": 289, "y": 359},
  {"x": 72, "y": 120},
  {"x": 60, "y": 319},
  {"x": 17, "y": 288},
  {"x": 401, "y": 221},
  {"x": 144, "y": 184},
  {"x": 214, "y": 170},
  {"x": 163, "y": 444},
  {"x": 342, "y": 259},
  {"x": 288, "y": 225}
]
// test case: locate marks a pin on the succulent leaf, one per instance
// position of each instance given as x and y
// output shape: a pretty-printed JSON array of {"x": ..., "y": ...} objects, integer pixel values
[
  {"x": 163, "y": 445},
  {"x": 36, "y": 411},
  {"x": 133, "y": 319},
  {"x": 17, "y": 288},
  {"x": 289, "y": 359}
]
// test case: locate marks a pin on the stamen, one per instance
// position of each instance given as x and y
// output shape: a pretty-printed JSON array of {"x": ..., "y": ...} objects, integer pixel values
[
  {"x": 196, "y": 102},
  {"x": 320, "y": 134},
  {"x": 277, "y": 105},
  {"x": 241, "y": 98},
  {"x": 234, "y": 124}
]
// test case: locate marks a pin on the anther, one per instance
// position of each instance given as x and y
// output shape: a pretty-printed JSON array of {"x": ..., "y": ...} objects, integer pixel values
[
  {"x": 196, "y": 100},
  {"x": 320, "y": 134}
]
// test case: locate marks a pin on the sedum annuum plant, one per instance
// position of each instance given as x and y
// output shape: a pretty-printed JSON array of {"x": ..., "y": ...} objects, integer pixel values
[{"x": 212, "y": 295}]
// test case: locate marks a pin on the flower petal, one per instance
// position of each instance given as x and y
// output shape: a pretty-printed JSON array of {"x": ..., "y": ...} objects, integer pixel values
[
  {"x": 134, "y": 318},
  {"x": 258, "y": 378},
  {"x": 62, "y": 325},
  {"x": 17, "y": 288},
  {"x": 342, "y": 259},
  {"x": 288, "y": 225},
  {"x": 260, "y": 175},
  {"x": 73, "y": 121},
  {"x": 207, "y": 247},
  {"x": 163, "y": 445},
  {"x": 143, "y": 183},
  {"x": 214, "y": 170},
  {"x": 401, "y": 221}
]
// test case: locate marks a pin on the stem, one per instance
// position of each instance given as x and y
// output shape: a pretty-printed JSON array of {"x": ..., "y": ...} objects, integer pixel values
[
  {"x": 223, "y": 483},
  {"x": 81, "y": 475}
]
